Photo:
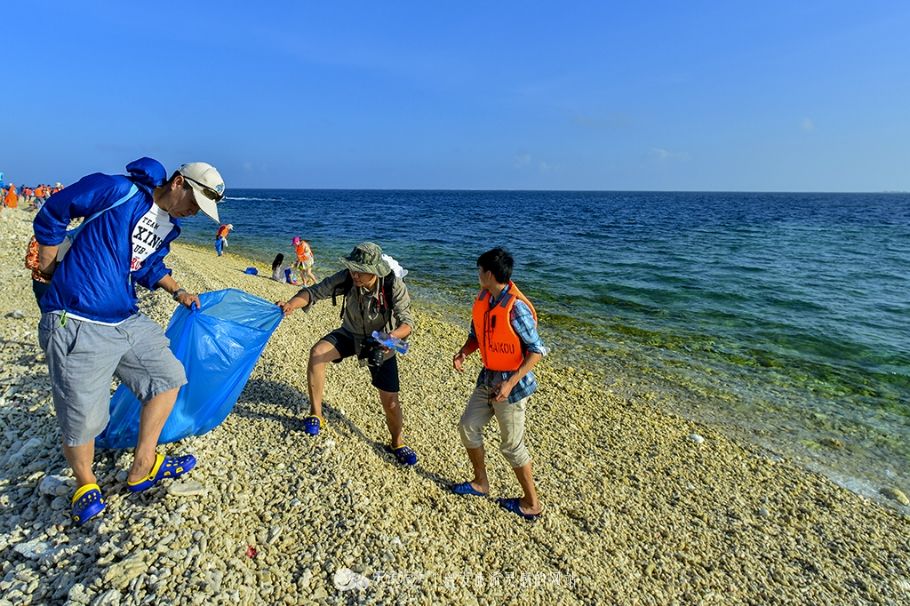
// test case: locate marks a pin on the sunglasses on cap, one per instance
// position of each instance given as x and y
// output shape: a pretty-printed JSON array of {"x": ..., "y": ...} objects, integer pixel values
[{"x": 207, "y": 191}]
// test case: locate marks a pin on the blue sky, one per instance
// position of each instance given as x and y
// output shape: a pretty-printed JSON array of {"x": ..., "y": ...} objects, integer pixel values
[{"x": 754, "y": 96}]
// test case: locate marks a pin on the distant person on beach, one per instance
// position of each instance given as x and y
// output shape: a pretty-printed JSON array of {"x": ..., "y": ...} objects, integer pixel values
[
  {"x": 278, "y": 268},
  {"x": 374, "y": 299},
  {"x": 221, "y": 237},
  {"x": 91, "y": 328},
  {"x": 11, "y": 200},
  {"x": 504, "y": 329},
  {"x": 305, "y": 260}
]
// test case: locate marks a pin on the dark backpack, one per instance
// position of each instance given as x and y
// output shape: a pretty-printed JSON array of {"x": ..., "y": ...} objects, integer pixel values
[{"x": 345, "y": 288}]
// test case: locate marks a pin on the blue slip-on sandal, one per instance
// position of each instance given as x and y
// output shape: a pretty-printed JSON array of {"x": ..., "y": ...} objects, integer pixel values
[
  {"x": 164, "y": 467},
  {"x": 87, "y": 503},
  {"x": 312, "y": 424},
  {"x": 514, "y": 506},
  {"x": 405, "y": 455},
  {"x": 466, "y": 489}
]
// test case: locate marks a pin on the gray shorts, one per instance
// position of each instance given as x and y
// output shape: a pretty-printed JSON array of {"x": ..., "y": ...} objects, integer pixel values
[{"x": 82, "y": 357}]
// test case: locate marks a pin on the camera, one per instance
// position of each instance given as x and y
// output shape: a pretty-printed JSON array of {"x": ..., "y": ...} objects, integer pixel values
[{"x": 371, "y": 353}]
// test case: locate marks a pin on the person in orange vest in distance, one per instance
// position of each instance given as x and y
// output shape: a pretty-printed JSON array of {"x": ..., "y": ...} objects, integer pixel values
[
  {"x": 305, "y": 260},
  {"x": 504, "y": 329},
  {"x": 221, "y": 237},
  {"x": 12, "y": 197}
]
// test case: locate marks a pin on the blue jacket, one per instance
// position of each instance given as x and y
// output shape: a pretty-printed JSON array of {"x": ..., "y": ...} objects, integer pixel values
[{"x": 94, "y": 278}]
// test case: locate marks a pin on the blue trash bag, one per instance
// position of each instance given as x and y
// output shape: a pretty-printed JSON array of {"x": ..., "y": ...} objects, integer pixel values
[{"x": 218, "y": 344}]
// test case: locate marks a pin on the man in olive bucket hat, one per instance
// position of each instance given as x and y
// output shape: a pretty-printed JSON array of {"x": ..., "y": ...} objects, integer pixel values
[{"x": 374, "y": 299}]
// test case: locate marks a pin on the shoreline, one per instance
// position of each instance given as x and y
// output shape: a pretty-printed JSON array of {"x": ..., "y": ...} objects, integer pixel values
[
  {"x": 634, "y": 508},
  {"x": 797, "y": 413}
]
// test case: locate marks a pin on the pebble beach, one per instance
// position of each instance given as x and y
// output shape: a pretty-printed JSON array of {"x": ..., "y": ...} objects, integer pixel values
[{"x": 641, "y": 506}]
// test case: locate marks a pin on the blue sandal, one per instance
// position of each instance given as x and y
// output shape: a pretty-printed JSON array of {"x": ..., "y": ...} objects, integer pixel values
[
  {"x": 465, "y": 489},
  {"x": 404, "y": 455},
  {"x": 87, "y": 503},
  {"x": 514, "y": 506},
  {"x": 312, "y": 424},
  {"x": 164, "y": 467}
]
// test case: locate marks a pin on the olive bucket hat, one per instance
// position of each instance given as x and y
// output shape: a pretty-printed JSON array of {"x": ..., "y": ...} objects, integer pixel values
[{"x": 367, "y": 258}]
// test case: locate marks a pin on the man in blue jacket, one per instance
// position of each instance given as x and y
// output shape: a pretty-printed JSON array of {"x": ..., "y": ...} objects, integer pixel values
[{"x": 91, "y": 328}]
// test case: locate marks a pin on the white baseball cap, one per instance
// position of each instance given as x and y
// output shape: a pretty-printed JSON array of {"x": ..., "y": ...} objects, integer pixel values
[{"x": 207, "y": 184}]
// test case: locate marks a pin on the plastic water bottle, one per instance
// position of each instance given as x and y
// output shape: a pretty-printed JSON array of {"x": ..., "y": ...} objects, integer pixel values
[{"x": 391, "y": 342}]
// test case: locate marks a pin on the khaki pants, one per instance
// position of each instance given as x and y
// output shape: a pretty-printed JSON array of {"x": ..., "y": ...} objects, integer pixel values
[{"x": 511, "y": 418}]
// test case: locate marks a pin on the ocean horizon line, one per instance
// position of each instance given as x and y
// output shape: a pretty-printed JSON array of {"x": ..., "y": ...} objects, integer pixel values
[{"x": 569, "y": 191}]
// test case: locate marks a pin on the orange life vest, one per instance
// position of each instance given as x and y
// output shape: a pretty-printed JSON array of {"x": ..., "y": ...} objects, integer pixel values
[
  {"x": 222, "y": 232},
  {"x": 500, "y": 346},
  {"x": 303, "y": 251}
]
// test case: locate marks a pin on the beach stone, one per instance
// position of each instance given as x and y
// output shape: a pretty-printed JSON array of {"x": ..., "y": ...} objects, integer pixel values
[
  {"x": 187, "y": 488},
  {"x": 895, "y": 494},
  {"x": 320, "y": 593},
  {"x": 110, "y": 597},
  {"x": 26, "y": 448},
  {"x": 346, "y": 579},
  {"x": 694, "y": 437},
  {"x": 16, "y": 597},
  {"x": 303, "y": 581},
  {"x": 54, "y": 486},
  {"x": 33, "y": 550},
  {"x": 121, "y": 573}
]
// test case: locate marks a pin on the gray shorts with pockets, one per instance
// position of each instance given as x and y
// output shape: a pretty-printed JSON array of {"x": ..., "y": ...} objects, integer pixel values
[{"x": 82, "y": 357}]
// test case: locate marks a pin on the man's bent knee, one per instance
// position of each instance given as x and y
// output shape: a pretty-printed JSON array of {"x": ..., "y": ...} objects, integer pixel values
[{"x": 322, "y": 353}]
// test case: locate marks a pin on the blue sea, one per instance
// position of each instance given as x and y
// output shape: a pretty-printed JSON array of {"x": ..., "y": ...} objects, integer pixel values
[{"x": 779, "y": 317}]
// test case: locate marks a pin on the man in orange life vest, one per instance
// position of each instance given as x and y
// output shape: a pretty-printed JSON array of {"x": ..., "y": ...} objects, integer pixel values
[{"x": 504, "y": 329}]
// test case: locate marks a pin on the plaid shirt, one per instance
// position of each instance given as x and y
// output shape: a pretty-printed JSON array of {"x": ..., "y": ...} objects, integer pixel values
[{"x": 522, "y": 321}]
